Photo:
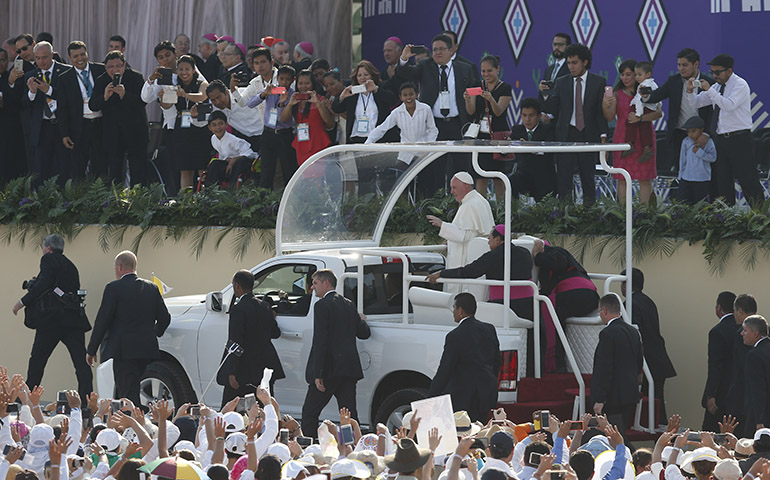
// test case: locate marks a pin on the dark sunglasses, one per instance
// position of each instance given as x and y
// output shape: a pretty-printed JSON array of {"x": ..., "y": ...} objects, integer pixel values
[
  {"x": 714, "y": 73},
  {"x": 23, "y": 49}
]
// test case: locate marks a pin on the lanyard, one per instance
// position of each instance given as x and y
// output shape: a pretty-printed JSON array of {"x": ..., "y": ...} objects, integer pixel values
[
  {"x": 365, "y": 99},
  {"x": 448, "y": 73}
]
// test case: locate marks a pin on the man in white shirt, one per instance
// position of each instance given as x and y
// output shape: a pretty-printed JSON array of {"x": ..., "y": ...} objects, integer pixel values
[
  {"x": 267, "y": 74},
  {"x": 731, "y": 122},
  {"x": 473, "y": 219},
  {"x": 500, "y": 454},
  {"x": 245, "y": 123},
  {"x": 165, "y": 54}
]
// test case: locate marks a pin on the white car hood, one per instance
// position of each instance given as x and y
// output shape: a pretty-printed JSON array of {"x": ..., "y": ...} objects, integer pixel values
[{"x": 179, "y": 305}]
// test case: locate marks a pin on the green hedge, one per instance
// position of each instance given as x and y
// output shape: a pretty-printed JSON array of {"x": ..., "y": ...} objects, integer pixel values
[{"x": 658, "y": 229}]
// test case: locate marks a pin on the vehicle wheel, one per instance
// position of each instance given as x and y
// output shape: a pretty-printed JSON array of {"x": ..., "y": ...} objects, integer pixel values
[
  {"x": 392, "y": 410},
  {"x": 165, "y": 381}
]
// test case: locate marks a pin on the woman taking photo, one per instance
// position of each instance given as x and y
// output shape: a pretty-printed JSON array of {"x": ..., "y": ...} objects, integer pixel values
[
  {"x": 489, "y": 109},
  {"x": 618, "y": 105},
  {"x": 364, "y": 111},
  {"x": 191, "y": 137},
  {"x": 312, "y": 116}
]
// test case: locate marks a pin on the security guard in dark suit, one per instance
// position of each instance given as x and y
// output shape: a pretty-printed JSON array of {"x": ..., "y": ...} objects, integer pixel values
[
  {"x": 333, "y": 366},
  {"x": 53, "y": 310},
  {"x": 131, "y": 317},
  {"x": 720, "y": 363}
]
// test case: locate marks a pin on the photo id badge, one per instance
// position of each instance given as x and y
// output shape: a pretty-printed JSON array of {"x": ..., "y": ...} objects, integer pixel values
[
  {"x": 186, "y": 119},
  {"x": 51, "y": 104},
  {"x": 445, "y": 101},
  {"x": 303, "y": 132},
  {"x": 362, "y": 125},
  {"x": 272, "y": 118},
  {"x": 484, "y": 125}
]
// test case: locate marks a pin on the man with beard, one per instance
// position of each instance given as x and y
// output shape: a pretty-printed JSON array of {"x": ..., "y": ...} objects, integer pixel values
[{"x": 559, "y": 67}]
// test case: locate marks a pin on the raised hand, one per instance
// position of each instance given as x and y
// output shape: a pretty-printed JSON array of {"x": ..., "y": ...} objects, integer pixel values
[
  {"x": 728, "y": 424},
  {"x": 614, "y": 435},
  {"x": 674, "y": 422},
  {"x": 219, "y": 427},
  {"x": 434, "y": 439},
  {"x": 254, "y": 427},
  {"x": 344, "y": 416}
]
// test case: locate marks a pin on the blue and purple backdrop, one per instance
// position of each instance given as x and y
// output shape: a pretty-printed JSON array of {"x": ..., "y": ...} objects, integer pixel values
[{"x": 521, "y": 31}]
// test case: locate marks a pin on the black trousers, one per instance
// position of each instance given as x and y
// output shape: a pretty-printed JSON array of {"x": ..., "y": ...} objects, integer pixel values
[
  {"x": 128, "y": 373},
  {"x": 658, "y": 394},
  {"x": 735, "y": 161},
  {"x": 586, "y": 165},
  {"x": 244, "y": 388},
  {"x": 437, "y": 175},
  {"x": 136, "y": 151},
  {"x": 620, "y": 416},
  {"x": 217, "y": 172},
  {"x": 572, "y": 303},
  {"x": 276, "y": 146},
  {"x": 51, "y": 157},
  {"x": 89, "y": 149},
  {"x": 692, "y": 192},
  {"x": 535, "y": 175},
  {"x": 46, "y": 340},
  {"x": 343, "y": 389}
]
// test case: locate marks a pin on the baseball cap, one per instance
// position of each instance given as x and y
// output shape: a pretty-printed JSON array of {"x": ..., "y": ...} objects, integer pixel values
[
  {"x": 236, "y": 443},
  {"x": 233, "y": 422},
  {"x": 281, "y": 451},
  {"x": 722, "y": 60},
  {"x": 727, "y": 469},
  {"x": 501, "y": 442},
  {"x": 40, "y": 435},
  {"x": 108, "y": 439}
]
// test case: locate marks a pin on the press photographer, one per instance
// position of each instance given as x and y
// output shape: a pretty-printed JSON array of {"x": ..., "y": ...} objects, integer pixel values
[{"x": 54, "y": 309}]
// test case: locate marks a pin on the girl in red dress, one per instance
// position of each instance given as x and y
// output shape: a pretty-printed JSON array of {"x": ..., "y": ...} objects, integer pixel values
[{"x": 312, "y": 116}]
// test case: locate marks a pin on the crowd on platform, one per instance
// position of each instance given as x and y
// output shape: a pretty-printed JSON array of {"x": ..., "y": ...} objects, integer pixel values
[{"x": 77, "y": 118}]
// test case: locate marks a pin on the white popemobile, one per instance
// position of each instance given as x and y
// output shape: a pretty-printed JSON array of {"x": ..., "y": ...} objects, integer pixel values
[{"x": 333, "y": 215}]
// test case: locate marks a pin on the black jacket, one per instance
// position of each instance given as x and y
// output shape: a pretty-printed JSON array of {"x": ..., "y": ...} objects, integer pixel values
[
  {"x": 737, "y": 392},
  {"x": 564, "y": 70},
  {"x": 252, "y": 325},
  {"x": 131, "y": 316},
  {"x": 758, "y": 388},
  {"x": 385, "y": 101},
  {"x": 672, "y": 90},
  {"x": 618, "y": 359},
  {"x": 427, "y": 73},
  {"x": 240, "y": 69},
  {"x": 492, "y": 264},
  {"x": 469, "y": 366},
  {"x": 127, "y": 114},
  {"x": 36, "y": 106},
  {"x": 210, "y": 68},
  {"x": 720, "y": 361},
  {"x": 561, "y": 104},
  {"x": 536, "y": 171},
  {"x": 336, "y": 325},
  {"x": 645, "y": 316},
  {"x": 56, "y": 270},
  {"x": 556, "y": 264},
  {"x": 71, "y": 101}
]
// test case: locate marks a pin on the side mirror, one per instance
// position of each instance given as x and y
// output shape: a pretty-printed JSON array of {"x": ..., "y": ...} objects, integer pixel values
[{"x": 214, "y": 301}]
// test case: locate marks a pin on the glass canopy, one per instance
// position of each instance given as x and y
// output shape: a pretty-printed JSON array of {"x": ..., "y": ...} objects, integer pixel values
[{"x": 343, "y": 195}]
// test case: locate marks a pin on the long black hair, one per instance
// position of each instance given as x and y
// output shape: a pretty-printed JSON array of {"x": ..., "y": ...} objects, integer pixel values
[
  {"x": 630, "y": 63},
  {"x": 314, "y": 87}
]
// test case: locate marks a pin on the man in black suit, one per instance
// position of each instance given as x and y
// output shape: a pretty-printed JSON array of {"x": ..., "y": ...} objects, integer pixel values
[
  {"x": 745, "y": 305},
  {"x": 131, "y": 316},
  {"x": 207, "y": 47},
  {"x": 252, "y": 325},
  {"x": 470, "y": 362},
  {"x": 618, "y": 361},
  {"x": 645, "y": 317},
  {"x": 117, "y": 94},
  {"x": 757, "y": 366},
  {"x": 558, "y": 68},
  {"x": 535, "y": 174},
  {"x": 456, "y": 57},
  {"x": 24, "y": 45},
  {"x": 442, "y": 84},
  {"x": 720, "y": 363},
  {"x": 12, "y": 140},
  {"x": 41, "y": 99},
  {"x": 576, "y": 102},
  {"x": 80, "y": 128},
  {"x": 687, "y": 64},
  {"x": 234, "y": 63},
  {"x": 333, "y": 367},
  {"x": 64, "y": 322}
]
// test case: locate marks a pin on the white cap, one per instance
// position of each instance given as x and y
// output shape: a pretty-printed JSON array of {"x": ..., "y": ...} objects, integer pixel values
[
  {"x": 667, "y": 452},
  {"x": 350, "y": 468},
  {"x": 233, "y": 422},
  {"x": 40, "y": 435},
  {"x": 108, "y": 439},
  {"x": 762, "y": 431},
  {"x": 186, "y": 445},
  {"x": 236, "y": 443},
  {"x": 464, "y": 177},
  {"x": 407, "y": 419},
  {"x": 281, "y": 451},
  {"x": 292, "y": 468},
  {"x": 727, "y": 469}
]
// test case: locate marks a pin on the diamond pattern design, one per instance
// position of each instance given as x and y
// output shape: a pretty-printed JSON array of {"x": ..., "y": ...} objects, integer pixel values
[
  {"x": 586, "y": 22},
  {"x": 652, "y": 24},
  {"x": 517, "y": 23},
  {"x": 455, "y": 18}
]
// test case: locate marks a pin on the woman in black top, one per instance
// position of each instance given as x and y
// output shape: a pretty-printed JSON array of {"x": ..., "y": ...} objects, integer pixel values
[
  {"x": 490, "y": 109},
  {"x": 191, "y": 139},
  {"x": 364, "y": 111}
]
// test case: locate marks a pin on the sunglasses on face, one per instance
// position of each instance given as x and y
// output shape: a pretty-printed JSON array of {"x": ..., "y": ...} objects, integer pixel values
[
  {"x": 714, "y": 73},
  {"x": 23, "y": 49}
]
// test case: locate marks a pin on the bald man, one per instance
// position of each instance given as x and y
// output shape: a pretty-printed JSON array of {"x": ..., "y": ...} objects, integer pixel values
[
  {"x": 473, "y": 219},
  {"x": 131, "y": 317}
]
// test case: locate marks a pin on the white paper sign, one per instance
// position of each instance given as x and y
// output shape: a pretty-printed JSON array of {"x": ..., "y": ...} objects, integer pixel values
[
  {"x": 436, "y": 412},
  {"x": 267, "y": 375}
]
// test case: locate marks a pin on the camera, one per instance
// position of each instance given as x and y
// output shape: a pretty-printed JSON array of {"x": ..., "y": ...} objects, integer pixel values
[
  {"x": 284, "y": 436},
  {"x": 304, "y": 442},
  {"x": 28, "y": 284},
  {"x": 419, "y": 49},
  {"x": 645, "y": 90},
  {"x": 116, "y": 80},
  {"x": 243, "y": 78},
  {"x": 165, "y": 76},
  {"x": 203, "y": 109},
  {"x": 302, "y": 96},
  {"x": 195, "y": 411},
  {"x": 549, "y": 84}
]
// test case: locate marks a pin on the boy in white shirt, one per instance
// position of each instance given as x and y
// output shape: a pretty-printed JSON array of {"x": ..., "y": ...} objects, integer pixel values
[
  {"x": 643, "y": 73},
  {"x": 235, "y": 154}
]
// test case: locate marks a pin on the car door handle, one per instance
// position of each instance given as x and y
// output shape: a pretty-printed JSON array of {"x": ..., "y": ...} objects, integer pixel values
[{"x": 291, "y": 334}]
